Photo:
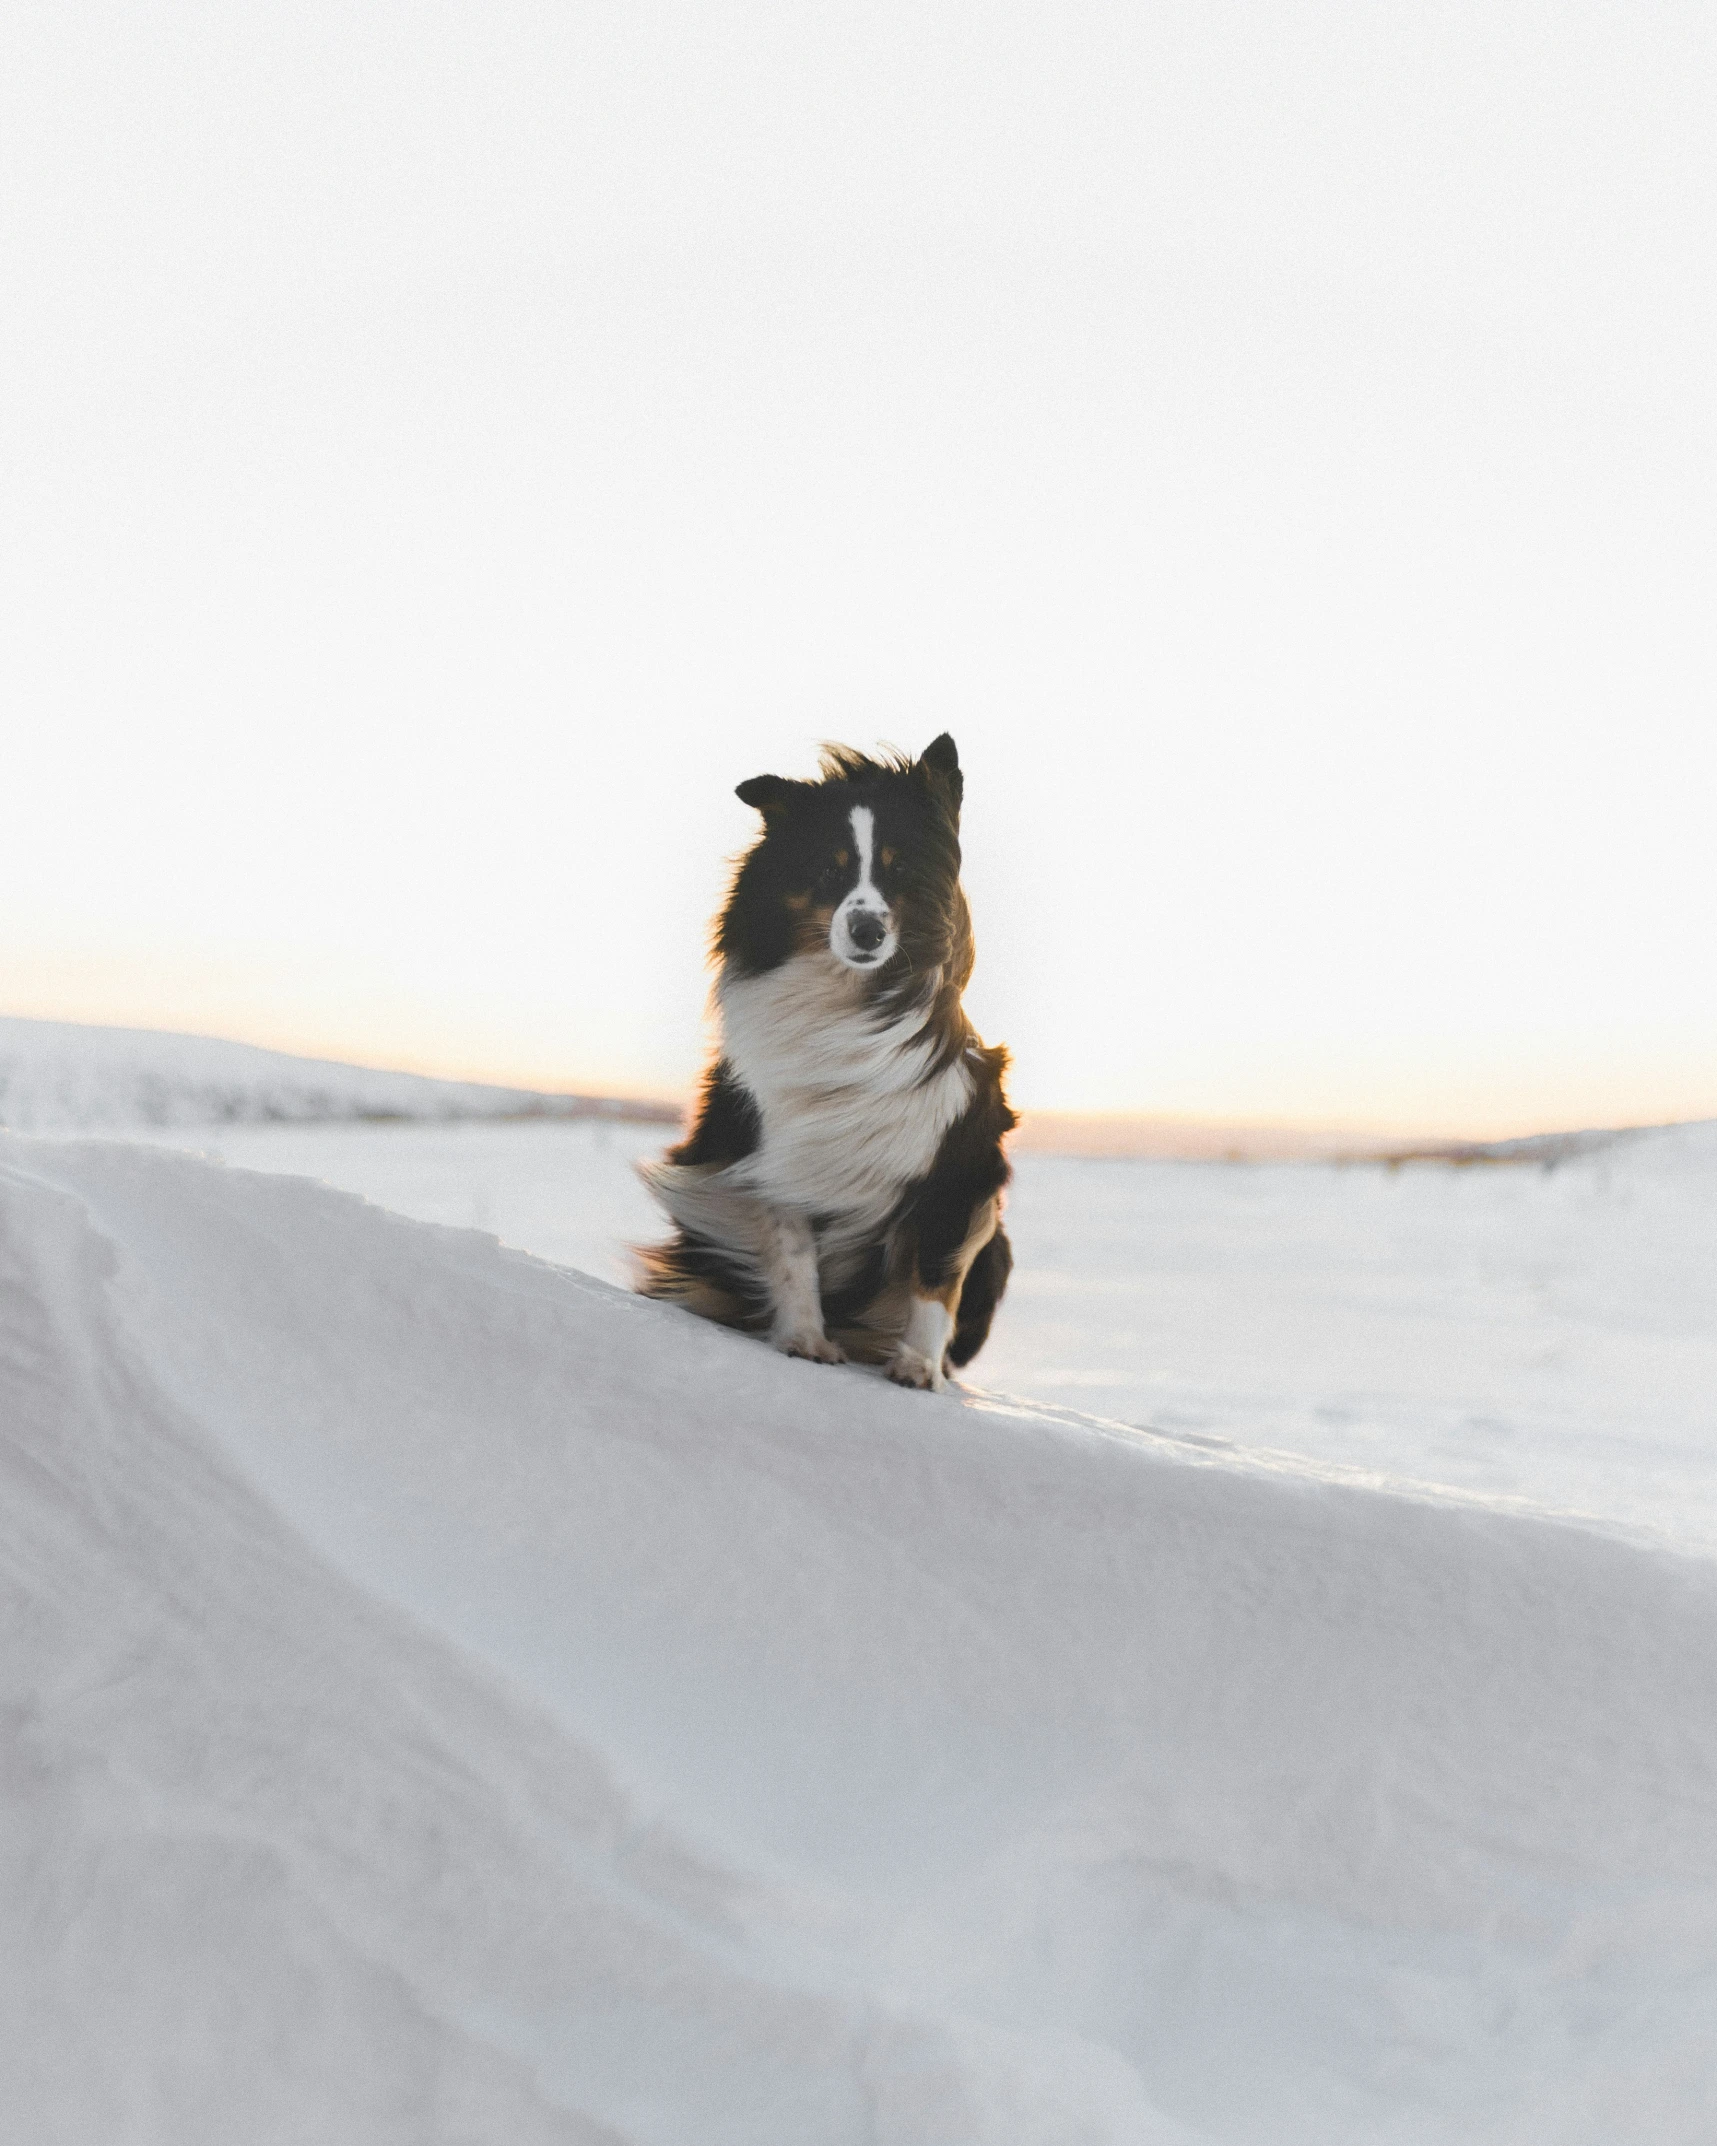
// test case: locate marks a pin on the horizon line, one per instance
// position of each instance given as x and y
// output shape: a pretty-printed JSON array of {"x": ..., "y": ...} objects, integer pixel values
[{"x": 1141, "y": 1131}]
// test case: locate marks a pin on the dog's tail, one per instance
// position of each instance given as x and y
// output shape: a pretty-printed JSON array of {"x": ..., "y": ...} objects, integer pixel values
[{"x": 709, "y": 1264}]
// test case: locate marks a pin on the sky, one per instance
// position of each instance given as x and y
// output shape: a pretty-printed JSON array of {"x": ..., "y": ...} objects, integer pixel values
[{"x": 447, "y": 447}]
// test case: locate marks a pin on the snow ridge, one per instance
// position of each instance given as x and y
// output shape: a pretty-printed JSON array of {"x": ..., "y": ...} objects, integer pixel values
[{"x": 448, "y": 1699}]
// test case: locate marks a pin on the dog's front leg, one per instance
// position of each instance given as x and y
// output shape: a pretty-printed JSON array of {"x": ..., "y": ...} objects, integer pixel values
[
  {"x": 917, "y": 1358},
  {"x": 787, "y": 1256},
  {"x": 920, "y": 1355}
]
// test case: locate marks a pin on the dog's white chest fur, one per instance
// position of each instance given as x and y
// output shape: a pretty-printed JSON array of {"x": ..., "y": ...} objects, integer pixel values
[{"x": 847, "y": 1117}]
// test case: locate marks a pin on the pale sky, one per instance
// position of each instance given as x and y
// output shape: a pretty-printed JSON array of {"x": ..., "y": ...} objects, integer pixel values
[{"x": 446, "y": 448}]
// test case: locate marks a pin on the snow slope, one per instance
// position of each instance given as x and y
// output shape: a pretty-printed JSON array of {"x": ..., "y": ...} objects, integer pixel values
[
  {"x": 1542, "y": 1334},
  {"x": 63, "y": 1076},
  {"x": 446, "y": 1699}
]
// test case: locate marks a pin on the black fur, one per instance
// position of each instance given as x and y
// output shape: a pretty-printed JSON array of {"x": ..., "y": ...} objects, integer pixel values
[
  {"x": 785, "y": 891},
  {"x": 970, "y": 1168},
  {"x": 986, "y": 1279},
  {"x": 805, "y": 827},
  {"x": 726, "y": 1126}
]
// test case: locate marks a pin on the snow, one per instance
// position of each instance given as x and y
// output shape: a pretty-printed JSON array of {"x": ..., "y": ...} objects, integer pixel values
[
  {"x": 63, "y": 1076},
  {"x": 1544, "y": 1335},
  {"x": 1549, "y": 1335},
  {"x": 450, "y": 1699}
]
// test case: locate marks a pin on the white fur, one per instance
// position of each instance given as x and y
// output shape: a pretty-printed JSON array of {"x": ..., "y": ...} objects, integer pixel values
[
  {"x": 702, "y": 1198},
  {"x": 847, "y": 1118},
  {"x": 917, "y": 1359},
  {"x": 865, "y": 896},
  {"x": 789, "y": 1266},
  {"x": 847, "y": 1121}
]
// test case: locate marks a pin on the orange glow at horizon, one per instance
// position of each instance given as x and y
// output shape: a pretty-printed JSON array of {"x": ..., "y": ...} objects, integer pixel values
[{"x": 1551, "y": 1091}]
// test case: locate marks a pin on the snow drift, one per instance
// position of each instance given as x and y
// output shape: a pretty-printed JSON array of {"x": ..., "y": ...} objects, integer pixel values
[
  {"x": 446, "y": 1699},
  {"x": 63, "y": 1076}
]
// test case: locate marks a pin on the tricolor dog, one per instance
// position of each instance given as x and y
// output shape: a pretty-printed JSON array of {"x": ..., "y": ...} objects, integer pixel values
[{"x": 840, "y": 1189}]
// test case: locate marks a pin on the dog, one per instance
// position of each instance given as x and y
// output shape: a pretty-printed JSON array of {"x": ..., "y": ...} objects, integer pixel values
[{"x": 840, "y": 1189}]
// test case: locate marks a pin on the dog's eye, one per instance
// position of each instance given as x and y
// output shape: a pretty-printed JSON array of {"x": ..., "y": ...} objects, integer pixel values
[{"x": 828, "y": 879}]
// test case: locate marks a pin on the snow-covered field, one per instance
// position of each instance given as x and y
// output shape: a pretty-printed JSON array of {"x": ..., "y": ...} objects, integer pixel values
[
  {"x": 1517, "y": 1332},
  {"x": 449, "y": 1699},
  {"x": 446, "y": 1699}
]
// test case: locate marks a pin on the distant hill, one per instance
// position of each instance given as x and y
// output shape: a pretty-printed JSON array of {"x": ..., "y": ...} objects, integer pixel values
[
  {"x": 1122, "y": 1137},
  {"x": 68, "y": 1077}
]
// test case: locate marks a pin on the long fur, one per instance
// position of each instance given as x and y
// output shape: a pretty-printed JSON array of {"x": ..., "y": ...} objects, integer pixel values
[{"x": 840, "y": 1186}]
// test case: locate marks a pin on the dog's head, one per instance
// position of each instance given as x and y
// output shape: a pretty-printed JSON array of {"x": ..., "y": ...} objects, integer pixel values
[{"x": 863, "y": 864}]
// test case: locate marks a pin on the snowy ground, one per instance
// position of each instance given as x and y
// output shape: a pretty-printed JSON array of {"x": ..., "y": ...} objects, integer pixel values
[
  {"x": 448, "y": 1699},
  {"x": 444, "y": 1699},
  {"x": 1544, "y": 1335}
]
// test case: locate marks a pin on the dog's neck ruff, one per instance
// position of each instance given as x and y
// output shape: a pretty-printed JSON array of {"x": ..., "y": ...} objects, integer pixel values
[
  {"x": 851, "y": 1104},
  {"x": 810, "y": 1025}
]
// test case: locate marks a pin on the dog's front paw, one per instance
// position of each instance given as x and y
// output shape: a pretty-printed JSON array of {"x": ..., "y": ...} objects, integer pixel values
[
  {"x": 911, "y": 1367},
  {"x": 816, "y": 1348}
]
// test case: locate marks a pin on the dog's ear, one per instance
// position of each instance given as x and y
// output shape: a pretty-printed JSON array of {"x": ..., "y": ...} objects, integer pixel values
[
  {"x": 940, "y": 763},
  {"x": 769, "y": 794}
]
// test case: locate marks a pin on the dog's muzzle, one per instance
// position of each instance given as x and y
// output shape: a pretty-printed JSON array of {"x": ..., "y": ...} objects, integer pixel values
[{"x": 862, "y": 937}]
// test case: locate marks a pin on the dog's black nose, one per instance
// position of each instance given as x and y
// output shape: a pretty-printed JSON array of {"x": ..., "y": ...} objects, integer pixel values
[{"x": 866, "y": 930}]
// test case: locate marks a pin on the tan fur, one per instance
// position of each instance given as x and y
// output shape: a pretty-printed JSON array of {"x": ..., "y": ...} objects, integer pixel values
[
  {"x": 811, "y": 933},
  {"x": 875, "y": 1338},
  {"x": 655, "y": 1276},
  {"x": 982, "y": 1229}
]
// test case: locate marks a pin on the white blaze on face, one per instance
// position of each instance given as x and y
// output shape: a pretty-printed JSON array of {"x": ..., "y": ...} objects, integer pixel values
[{"x": 862, "y": 932}]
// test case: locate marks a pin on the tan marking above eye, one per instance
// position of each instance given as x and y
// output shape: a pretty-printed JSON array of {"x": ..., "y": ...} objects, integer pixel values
[
  {"x": 888, "y": 856},
  {"x": 842, "y": 858}
]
